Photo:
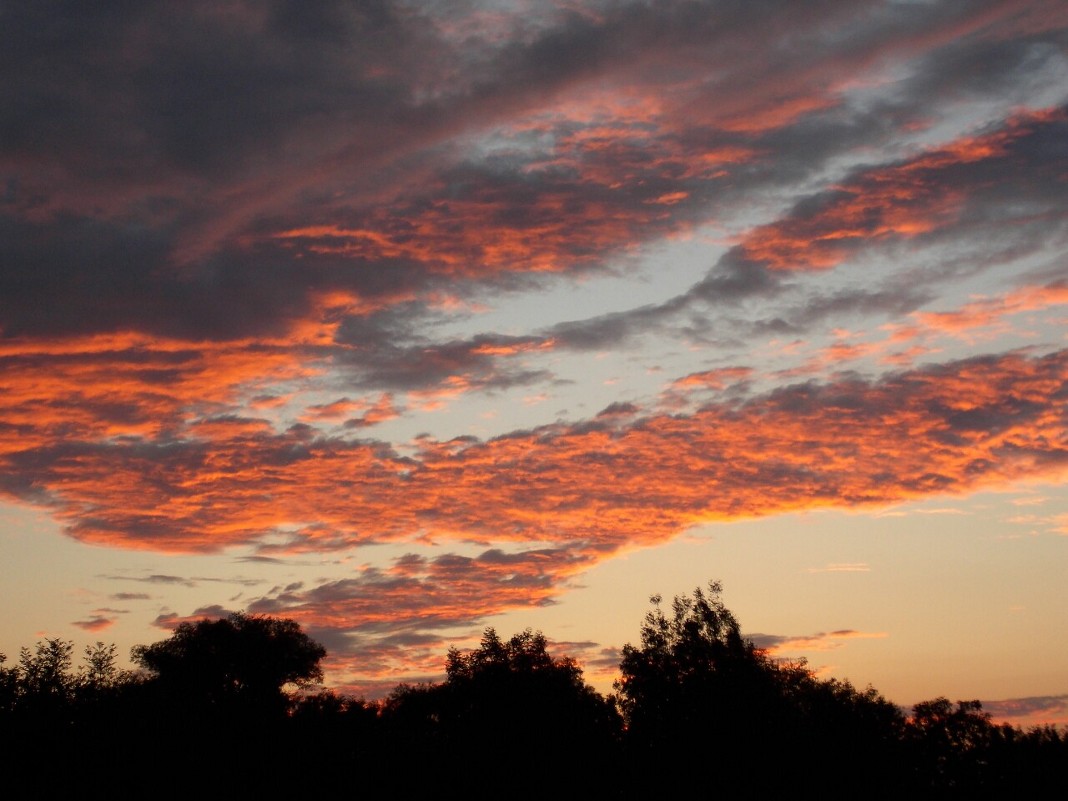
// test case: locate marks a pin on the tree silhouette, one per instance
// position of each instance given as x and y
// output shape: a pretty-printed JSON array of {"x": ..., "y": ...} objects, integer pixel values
[
  {"x": 706, "y": 713},
  {"x": 518, "y": 689},
  {"x": 45, "y": 673},
  {"x": 692, "y": 672},
  {"x": 508, "y": 705},
  {"x": 696, "y": 690},
  {"x": 9, "y": 682},
  {"x": 224, "y": 687},
  {"x": 955, "y": 747},
  {"x": 240, "y": 663},
  {"x": 100, "y": 669}
]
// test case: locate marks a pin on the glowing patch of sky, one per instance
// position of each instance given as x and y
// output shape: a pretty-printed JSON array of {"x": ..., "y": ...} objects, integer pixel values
[{"x": 908, "y": 574}]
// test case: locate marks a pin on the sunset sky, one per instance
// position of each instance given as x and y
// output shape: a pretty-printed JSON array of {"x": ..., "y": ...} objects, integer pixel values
[{"x": 404, "y": 319}]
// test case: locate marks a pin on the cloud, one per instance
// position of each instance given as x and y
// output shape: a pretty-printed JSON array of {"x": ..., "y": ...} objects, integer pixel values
[
  {"x": 171, "y": 620},
  {"x": 561, "y": 190},
  {"x": 989, "y": 313},
  {"x": 850, "y": 441},
  {"x": 95, "y": 623},
  {"x": 589, "y": 490},
  {"x": 191, "y": 581},
  {"x": 917, "y": 198},
  {"x": 433, "y": 368},
  {"x": 822, "y": 641},
  {"x": 1033, "y": 711},
  {"x": 385, "y": 622},
  {"x": 924, "y": 200},
  {"x": 165, "y": 211},
  {"x": 240, "y": 242},
  {"x": 157, "y": 578}
]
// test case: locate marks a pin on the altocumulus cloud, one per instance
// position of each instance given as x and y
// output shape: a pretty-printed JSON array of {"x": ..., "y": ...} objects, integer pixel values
[{"x": 246, "y": 251}]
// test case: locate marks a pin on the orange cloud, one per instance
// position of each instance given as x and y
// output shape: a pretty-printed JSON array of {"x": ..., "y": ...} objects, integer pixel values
[
  {"x": 988, "y": 313},
  {"x": 95, "y": 623},
  {"x": 380, "y": 411},
  {"x": 939, "y": 430},
  {"x": 712, "y": 379},
  {"x": 337, "y": 410},
  {"x": 902, "y": 201},
  {"x": 776, "y": 112},
  {"x": 615, "y": 175},
  {"x": 822, "y": 641}
]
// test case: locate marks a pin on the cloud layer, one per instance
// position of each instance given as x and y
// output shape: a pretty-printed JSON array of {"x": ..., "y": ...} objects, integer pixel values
[{"x": 253, "y": 262}]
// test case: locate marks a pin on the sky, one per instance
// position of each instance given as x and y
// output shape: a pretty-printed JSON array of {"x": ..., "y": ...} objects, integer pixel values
[{"x": 404, "y": 319}]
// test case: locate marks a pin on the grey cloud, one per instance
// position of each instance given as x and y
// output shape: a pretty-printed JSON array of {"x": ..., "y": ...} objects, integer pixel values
[
  {"x": 94, "y": 623},
  {"x": 118, "y": 94},
  {"x": 429, "y": 366},
  {"x": 979, "y": 66},
  {"x": 733, "y": 278},
  {"x": 389, "y": 351},
  {"x": 158, "y": 579},
  {"x": 196, "y": 90},
  {"x": 217, "y": 97},
  {"x": 1053, "y": 705},
  {"x": 334, "y": 640},
  {"x": 191, "y": 581},
  {"x": 244, "y": 582},
  {"x": 1010, "y": 210},
  {"x": 768, "y": 640},
  {"x": 213, "y": 611},
  {"x": 619, "y": 410},
  {"x": 799, "y": 315}
]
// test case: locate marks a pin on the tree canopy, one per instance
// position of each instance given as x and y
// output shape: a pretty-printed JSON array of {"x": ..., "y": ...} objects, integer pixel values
[
  {"x": 504, "y": 706},
  {"x": 241, "y": 660},
  {"x": 695, "y": 689},
  {"x": 699, "y": 710},
  {"x": 516, "y": 684}
]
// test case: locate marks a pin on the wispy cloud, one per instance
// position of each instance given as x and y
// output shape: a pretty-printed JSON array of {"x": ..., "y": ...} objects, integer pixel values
[
  {"x": 1033, "y": 711},
  {"x": 821, "y": 641},
  {"x": 94, "y": 624}
]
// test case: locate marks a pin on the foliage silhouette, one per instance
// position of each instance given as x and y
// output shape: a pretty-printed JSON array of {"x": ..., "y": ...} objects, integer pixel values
[
  {"x": 696, "y": 687},
  {"x": 705, "y": 712},
  {"x": 508, "y": 704},
  {"x": 224, "y": 686},
  {"x": 518, "y": 689},
  {"x": 238, "y": 664},
  {"x": 957, "y": 751},
  {"x": 9, "y": 683}
]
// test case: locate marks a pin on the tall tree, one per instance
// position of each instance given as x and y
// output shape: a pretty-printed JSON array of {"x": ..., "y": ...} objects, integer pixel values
[
  {"x": 509, "y": 706},
  {"x": 698, "y": 693},
  {"x": 242, "y": 661}
]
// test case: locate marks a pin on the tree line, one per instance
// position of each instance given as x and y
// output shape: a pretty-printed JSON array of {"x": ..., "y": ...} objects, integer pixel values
[{"x": 232, "y": 705}]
